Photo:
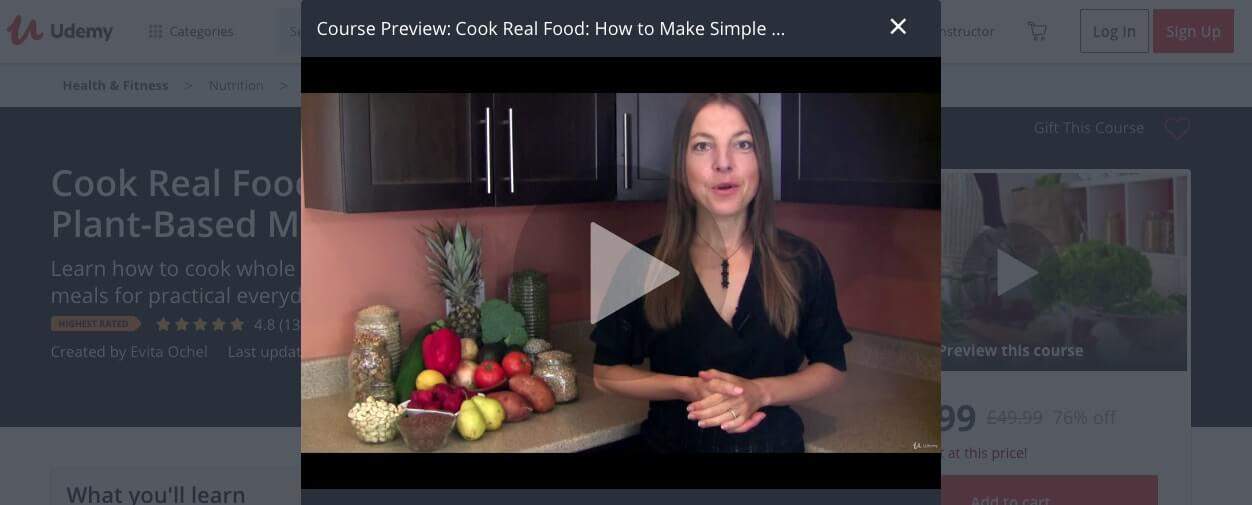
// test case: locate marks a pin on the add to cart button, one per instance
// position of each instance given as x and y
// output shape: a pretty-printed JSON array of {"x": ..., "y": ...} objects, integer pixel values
[
  {"x": 1048, "y": 489},
  {"x": 95, "y": 323},
  {"x": 1193, "y": 31}
]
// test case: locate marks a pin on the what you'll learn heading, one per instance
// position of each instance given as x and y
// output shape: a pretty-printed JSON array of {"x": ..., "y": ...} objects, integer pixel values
[{"x": 538, "y": 28}]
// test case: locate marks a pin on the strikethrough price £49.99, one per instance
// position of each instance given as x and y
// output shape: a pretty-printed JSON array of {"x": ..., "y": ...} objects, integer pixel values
[{"x": 965, "y": 417}]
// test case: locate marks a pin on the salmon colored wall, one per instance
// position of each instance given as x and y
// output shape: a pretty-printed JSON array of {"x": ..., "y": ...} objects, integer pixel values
[{"x": 885, "y": 262}]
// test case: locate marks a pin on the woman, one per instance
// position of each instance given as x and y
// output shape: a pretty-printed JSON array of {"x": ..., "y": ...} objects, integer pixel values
[{"x": 725, "y": 339}]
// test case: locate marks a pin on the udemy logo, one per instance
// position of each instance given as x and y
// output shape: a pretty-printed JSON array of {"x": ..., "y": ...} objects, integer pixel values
[{"x": 19, "y": 34}]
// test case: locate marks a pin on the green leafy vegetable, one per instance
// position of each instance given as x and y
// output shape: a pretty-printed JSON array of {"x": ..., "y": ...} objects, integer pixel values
[
  {"x": 501, "y": 323},
  {"x": 1093, "y": 274}
]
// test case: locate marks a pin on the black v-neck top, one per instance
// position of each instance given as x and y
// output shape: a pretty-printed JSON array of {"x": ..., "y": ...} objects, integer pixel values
[{"x": 749, "y": 347}]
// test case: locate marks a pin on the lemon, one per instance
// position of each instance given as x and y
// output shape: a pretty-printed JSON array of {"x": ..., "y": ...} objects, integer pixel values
[{"x": 428, "y": 379}]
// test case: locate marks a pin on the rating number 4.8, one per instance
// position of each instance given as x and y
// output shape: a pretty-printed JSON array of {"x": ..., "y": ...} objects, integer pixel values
[
  {"x": 278, "y": 325},
  {"x": 961, "y": 417}
]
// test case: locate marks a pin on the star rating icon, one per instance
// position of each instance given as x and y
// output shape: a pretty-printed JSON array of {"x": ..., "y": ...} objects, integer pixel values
[{"x": 199, "y": 324}]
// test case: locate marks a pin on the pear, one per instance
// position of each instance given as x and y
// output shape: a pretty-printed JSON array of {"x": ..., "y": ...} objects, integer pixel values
[
  {"x": 469, "y": 421},
  {"x": 491, "y": 409}
]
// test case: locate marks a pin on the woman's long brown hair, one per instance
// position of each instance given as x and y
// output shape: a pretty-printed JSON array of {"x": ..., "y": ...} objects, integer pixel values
[{"x": 779, "y": 285}]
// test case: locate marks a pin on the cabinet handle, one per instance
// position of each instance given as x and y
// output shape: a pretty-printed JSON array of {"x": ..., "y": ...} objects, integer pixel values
[
  {"x": 512, "y": 177},
  {"x": 626, "y": 148},
  {"x": 487, "y": 148}
]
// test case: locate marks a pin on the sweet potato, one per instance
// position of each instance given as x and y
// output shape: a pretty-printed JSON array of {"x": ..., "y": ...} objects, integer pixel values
[
  {"x": 516, "y": 407},
  {"x": 535, "y": 390}
]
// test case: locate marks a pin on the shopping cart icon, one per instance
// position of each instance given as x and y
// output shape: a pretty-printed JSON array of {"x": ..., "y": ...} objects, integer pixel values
[{"x": 1037, "y": 30}]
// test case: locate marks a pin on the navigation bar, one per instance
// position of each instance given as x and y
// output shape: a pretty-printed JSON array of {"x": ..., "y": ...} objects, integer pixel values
[
  {"x": 162, "y": 32},
  {"x": 1147, "y": 31}
]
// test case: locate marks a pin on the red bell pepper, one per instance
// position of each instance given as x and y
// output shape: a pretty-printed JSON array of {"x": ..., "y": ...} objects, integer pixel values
[{"x": 441, "y": 351}]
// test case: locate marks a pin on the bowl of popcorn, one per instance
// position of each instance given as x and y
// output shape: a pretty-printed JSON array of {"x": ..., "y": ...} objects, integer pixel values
[{"x": 374, "y": 420}]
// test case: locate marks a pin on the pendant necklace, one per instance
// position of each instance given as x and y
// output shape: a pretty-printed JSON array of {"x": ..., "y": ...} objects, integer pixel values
[{"x": 725, "y": 259}]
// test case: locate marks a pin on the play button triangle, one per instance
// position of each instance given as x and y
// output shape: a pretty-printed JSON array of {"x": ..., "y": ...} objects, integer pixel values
[
  {"x": 1010, "y": 272},
  {"x": 621, "y": 273}
]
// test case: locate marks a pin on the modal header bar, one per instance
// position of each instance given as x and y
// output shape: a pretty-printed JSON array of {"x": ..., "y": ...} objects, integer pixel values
[{"x": 646, "y": 28}]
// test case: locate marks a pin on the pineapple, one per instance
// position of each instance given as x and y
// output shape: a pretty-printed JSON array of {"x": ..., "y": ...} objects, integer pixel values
[{"x": 455, "y": 262}]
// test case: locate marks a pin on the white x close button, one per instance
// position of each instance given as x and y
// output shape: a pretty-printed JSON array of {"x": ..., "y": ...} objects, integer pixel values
[{"x": 898, "y": 26}]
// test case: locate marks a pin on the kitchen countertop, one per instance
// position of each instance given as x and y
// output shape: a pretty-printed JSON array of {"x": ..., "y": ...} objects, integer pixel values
[
  {"x": 594, "y": 419},
  {"x": 876, "y": 411}
]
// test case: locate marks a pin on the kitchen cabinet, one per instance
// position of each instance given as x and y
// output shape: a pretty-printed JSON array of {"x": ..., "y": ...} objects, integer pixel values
[
  {"x": 406, "y": 151},
  {"x": 381, "y": 152},
  {"x": 877, "y": 149},
  {"x": 553, "y": 148},
  {"x": 645, "y": 142}
]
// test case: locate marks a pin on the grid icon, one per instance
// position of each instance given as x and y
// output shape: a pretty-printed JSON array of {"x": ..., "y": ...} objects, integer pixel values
[{"x": 156, "y": 31}]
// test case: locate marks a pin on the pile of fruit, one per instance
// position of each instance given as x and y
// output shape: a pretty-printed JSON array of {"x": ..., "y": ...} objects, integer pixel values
[
  {"x": 473, "y": 365},
  {"x": 486, "y": 385}
]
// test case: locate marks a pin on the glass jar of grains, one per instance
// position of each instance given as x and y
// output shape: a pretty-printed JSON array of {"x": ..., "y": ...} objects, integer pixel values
[
  {"x": 385, "y": 322},
  {"x": 556, "y": 368},
  {"x": 369, "y": 369}
]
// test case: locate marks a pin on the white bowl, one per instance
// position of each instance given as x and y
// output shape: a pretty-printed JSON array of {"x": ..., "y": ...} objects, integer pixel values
[{"x": 408, "y": 411}]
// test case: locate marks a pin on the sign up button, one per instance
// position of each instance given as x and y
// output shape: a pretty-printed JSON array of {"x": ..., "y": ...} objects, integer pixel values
[
  {"x": 1114, "y": 30},
  {"x": 1193, "y": 31}
]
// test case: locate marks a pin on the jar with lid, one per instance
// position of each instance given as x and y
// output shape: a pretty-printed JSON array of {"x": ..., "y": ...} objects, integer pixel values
[
  {"x": 556, "y": 368},
  {"x": 1114, "y": 228},
  {"x": 383, "y": 321},
  {"x": 1152, "y": 232},
  {"x": 369, "y": 368}
]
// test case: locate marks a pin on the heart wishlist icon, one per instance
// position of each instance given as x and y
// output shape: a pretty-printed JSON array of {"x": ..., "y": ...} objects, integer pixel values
[{"x": 1177, "y": 127}]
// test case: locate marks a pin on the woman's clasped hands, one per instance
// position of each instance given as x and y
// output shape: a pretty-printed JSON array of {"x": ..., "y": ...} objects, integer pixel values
[{"x": 730, "y": 402}]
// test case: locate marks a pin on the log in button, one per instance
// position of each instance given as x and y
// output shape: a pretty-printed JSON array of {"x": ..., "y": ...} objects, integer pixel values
[
  {"x": 95, "y": 323},
  {"x": 1113, "y": 31}
]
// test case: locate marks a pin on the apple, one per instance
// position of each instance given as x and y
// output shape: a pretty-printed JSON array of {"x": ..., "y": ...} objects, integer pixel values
[
  {"x": 517, "y": 363},
  {"x": 488, "y": 374}
]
